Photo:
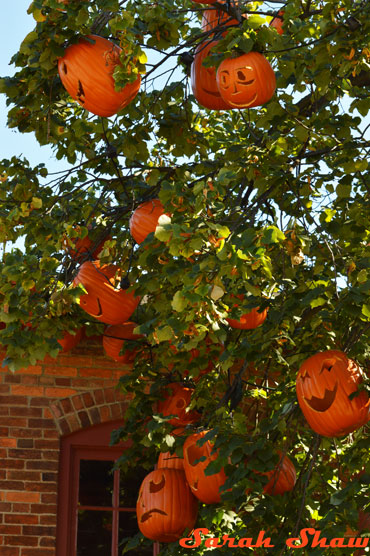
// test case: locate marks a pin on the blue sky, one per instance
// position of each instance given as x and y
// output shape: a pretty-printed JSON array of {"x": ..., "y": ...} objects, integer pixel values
[{"x": 15, "y": 23}]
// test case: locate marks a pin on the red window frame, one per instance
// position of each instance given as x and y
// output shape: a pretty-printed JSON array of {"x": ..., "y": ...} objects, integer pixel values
[{"x": 88, "y": 444}]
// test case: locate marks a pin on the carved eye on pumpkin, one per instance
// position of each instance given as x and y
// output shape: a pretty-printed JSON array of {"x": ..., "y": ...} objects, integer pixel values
[
  {"x": 165, "y": 506},
  {"x": 177, "y": 399},
  {"x": 246, "y": 81},
  {"x": 324, "y": 384}
]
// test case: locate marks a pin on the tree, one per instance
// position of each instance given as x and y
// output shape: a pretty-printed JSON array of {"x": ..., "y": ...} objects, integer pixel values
[{"x": 270, "y": 204}]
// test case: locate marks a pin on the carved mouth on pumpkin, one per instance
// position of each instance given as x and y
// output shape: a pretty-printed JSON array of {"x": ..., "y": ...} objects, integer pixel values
[
  {"x": 100, "y": 310},
  {"x": 148, "y": 515},
  {"x": 242, "y": 104},
  {"x": 323, "y": 404}
]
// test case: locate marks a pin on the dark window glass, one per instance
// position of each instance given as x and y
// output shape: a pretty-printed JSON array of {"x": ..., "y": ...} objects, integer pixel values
[
  {"x": 94, "y": 533},
  {"x": 128, "y": 528},
  {"x": 130, "y": 482},
  {"x": 96, "y": 483}
]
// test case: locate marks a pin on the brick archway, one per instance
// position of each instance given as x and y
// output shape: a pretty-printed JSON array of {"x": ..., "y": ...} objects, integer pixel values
[{"x": 86, "y": 409}]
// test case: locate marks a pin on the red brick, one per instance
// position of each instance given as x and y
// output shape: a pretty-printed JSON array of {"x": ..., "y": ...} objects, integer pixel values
[
  {"x": 4, "y": 388},
  {"x": 20, "y": 390},
  {"x": 73, "y": 422},
  {"x": 63, "y": 381},
  {"x": 21, "y": 474},
  {"x": 77, "y": 361},
  {"x": 41, "y": 423},
  {"x": 109, "y": 395},
  {"x": 50, "y": 509},
  {"x": 48, "y": 519},
  {"x": 13, "y": 400},
  {"x": 47, "y": 444},
  {"x": 61, "y": 371},
  {"x": 24, "y": 454},
  {"x": 84, "y": 418},
  {"x": 116, "y": 411},
  {"x": 10, "y": 529},
  {"x": 100, "y": 373},
  {"x": 47, "y": 541},
  {"x": 12, "y": 463},
  {"x": 26, "y": 411},
  {"x": 39, "y": 487},
  {"x": 48, "y": 498},
  {"x": 12, "y": 379},
  {"x": 99, "y": 397},
  {"x": 59, "y": 392},
  {"x": 5, "y": 507},
  {"x": 77, "y": 402},
  {"x": 20, "y": 508},
  {"x": 21, "y": 540},
  {"x": 10, "y": 551},
  {"x": 94, "y": 415},
  {"x": 42, "y": 465},
  {"x": 88, "y": 400},
  {"x": 25, "y": 443},
  {"x": 25, "y": 433},
  {"x": 22, "y": 496},
  {"x": 51, "y": 434},
  {"x": 8, "y": 442},
  {"x": 38, "y": 530},
  {"x": 21, "y": 518},
  {"x": 105, "y": 414},
  {"x": 29, "y": 380},
  {"x": 38, "y": 551},
  {"x": 67, "y": 406},
  {"x": 31, "y": 370},
  {"x": 36, "y": 402}
]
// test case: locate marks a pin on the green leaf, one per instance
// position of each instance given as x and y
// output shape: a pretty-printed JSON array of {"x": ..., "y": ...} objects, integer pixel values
[{"x": 178, "y": 302}]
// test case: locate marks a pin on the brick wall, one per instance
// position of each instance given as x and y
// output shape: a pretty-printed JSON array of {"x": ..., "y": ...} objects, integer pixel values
[{"x": 37, "y": 406}]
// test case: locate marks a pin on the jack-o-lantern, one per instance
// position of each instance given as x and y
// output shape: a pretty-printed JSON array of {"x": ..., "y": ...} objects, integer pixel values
[
  {"x": 282, "y": 478},
  {"x": 69, "y": 341},
  {"x": 86, "y": 71},
  {"x": 177, "y": 398},
  {"x": 83, "y": 248},
  {"x": 144, "y": 219},
  {"x": 246, "y": 81},
  {"x": 205, "y": 487},
  {"x": 250, "y": 320},
  {"x": 203, "y": 80},
  {"x": 114, "y": 339},
  {"x": 165, "y": 507},
  {"x": 104, "y": 300},
  {"x": 170, "y": 461},
  {"x": 324, "y": 384},
  {"x": 277, "y": 22}
]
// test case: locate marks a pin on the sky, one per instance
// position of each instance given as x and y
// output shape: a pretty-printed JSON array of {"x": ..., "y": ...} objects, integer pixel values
[{"x": 15, "y": 23}]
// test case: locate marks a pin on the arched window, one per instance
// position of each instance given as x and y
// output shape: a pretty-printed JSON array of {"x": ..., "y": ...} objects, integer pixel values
[{"x": 96, "y": 506}]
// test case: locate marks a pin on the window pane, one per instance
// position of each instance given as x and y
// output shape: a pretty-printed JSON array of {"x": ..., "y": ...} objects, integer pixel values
[
  {"x": 96, "y": 483},
  {"x": 128, "y": 528},
  {"x": 130, "y": 482},
  {"x": 94, "y": 536}
]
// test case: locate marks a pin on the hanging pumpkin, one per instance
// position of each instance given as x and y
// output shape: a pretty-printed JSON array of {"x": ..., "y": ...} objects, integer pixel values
[
  {"x": 104, "y": 300},
  {"x": 205, "y": 487},
  {"x": 282, "y": 478},
  {"x": 114, "y": 339},
  {"x": 278, "y": 21},
  {"x": 203, "y": 80},
  {"x": 246, "y": 81},
  {"x": 69, "y": 341},
  {"x": 177, "y": 399},
  {"x": 170, "y": 461},
  {"x": 324, "y": 384},
  {"x": 144, "y": 219},
  {"x": 86, "y": 71},
  {"x": 213, "y": 18},
  {"x": 165, "y": 506},
  {"x": 82, "y": 247},
  {"x": 250, "y": 320}
]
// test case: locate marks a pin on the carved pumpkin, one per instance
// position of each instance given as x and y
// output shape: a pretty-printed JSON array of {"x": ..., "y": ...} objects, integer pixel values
[
  {"x": 177, "y": 399},
  {"x": 246, "y": 81},
  {"x": 144, "y": 219},
  {"x": 83, "y": 248},
  {"x": 204, "y": 487},
  {"x": 213, "y": 18},
  {"x": 104, "y": 300},
  {"x": 86, "y": 71},
  {"x": 282, "y": 478},
  {"x": 278, "y": 21},
  {"x": 203, "y": 80},
  {"x": 250, "y": 320},
  {"x": 69, "y": 341},
  {"x": 324, "y": 384},
  {"x": 165, "y": 505},
  {"x": 114, "y": 339},
  {"x": 170, "y": 461}
]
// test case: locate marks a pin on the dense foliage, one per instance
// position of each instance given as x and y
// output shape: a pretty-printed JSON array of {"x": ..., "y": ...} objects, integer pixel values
[{"x": 271, "y": 202}]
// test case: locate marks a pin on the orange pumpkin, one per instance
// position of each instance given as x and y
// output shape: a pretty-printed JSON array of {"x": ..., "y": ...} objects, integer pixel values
[
  {"x": 83, "y": 247},
  {"x": 170, "y": 461},
  {"x": 213, "y": 18},
  {"x": 324, "y": 383},
  {"x": 250, "y": 320},
  {"x": 246, "y": 81},
  {"x": 86, "y": 71},
  {"x": 144, "y": 219},
  {"x": 282, "y": 478},
  {"x": 104, "y": 300},
  {"x": 205, "y": 487},
  {"x": 278, "y": 21},
  {"x": 114, "y": 339},
  {"x": 165, "y": 506},
  {"x": 69, "y": 341},
  {"x": 177, "y": 399},
  {"x": 203, "y": 80}
]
